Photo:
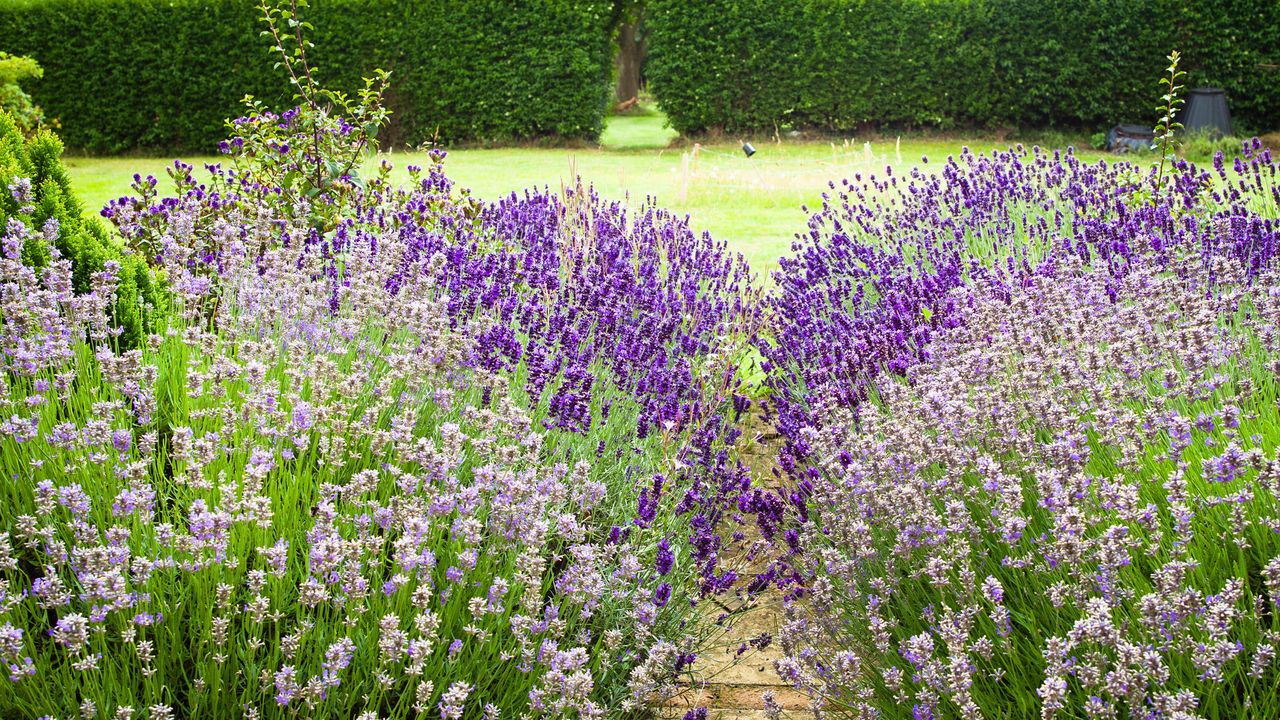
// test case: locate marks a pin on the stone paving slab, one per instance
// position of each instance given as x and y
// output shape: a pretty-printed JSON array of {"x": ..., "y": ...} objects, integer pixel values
[
  {"x": 734, "y": 714},
  {"x": 753, "y": 667},
  {"x": 737, "y": 697}
]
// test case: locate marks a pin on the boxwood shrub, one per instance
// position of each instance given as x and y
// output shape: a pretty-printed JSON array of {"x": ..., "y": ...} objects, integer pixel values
[{"x": 48, "y": 207}]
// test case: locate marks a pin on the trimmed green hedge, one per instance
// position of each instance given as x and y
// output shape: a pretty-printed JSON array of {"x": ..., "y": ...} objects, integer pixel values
[
  {"x": 131, "y": 75},
  {"x": 746, "y": 65}
]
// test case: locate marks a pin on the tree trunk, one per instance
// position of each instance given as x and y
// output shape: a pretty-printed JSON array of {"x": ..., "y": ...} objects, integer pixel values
[{"x": 630, "y": 56}]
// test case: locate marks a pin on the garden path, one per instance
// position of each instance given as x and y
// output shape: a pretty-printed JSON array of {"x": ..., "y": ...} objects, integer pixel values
[{"x": 729, "y": 685}]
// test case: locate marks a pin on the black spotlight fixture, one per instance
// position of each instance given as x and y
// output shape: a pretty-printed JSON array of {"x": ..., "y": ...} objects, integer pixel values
[{"x": 747, "y": 149}]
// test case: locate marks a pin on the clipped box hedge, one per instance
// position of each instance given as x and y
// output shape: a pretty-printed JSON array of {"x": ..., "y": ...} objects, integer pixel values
[
  {"x": 753, "y": 65},
  {"x": 151, "y": 75}
]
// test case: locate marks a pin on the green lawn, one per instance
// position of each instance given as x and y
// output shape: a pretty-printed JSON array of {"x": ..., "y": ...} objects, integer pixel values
[{"x": 753, "y": 204}]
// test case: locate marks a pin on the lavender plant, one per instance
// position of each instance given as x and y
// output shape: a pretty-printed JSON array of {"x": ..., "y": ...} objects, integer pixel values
[
  {"x": 395, "y": 452},
  {"x": 607, "y": 320},
  {"x": 35, "y": 192},
  {"x": 870, "y": 282},
  {"x": 1067, "y": 510},
  {"x": 324, "y": 496},
  {"x": 1031, "y": 413}
]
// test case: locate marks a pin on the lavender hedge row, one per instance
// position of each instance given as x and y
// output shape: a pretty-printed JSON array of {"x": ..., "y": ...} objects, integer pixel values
[
  {"x": 394, "y": 452},
  {"x": 1031, "y": 406}
]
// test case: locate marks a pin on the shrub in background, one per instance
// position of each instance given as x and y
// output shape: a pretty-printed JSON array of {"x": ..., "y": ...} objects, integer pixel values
[
  {"x": 1233, "y": 44},
  {"x": 37, "y": 195},
  {"x": 1203, "y": 146},
  {"x": 13, "y": 99},
  {"x": 845, "y": 64},
  {"x": 126, "y": 75}
]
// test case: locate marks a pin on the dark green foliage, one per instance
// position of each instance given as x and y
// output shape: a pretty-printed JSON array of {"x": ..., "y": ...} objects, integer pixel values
[
  {"x": 753, "y": 65},
  {"x": 127, "y": 75},
  {"x": 1232, "y": 40},
  {"x": 82, "y": 240},
  {"x": 1085, "y": 64}
]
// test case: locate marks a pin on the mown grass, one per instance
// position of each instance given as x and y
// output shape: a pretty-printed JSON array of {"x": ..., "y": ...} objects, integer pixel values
[{"x": 754, "y": 204}]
